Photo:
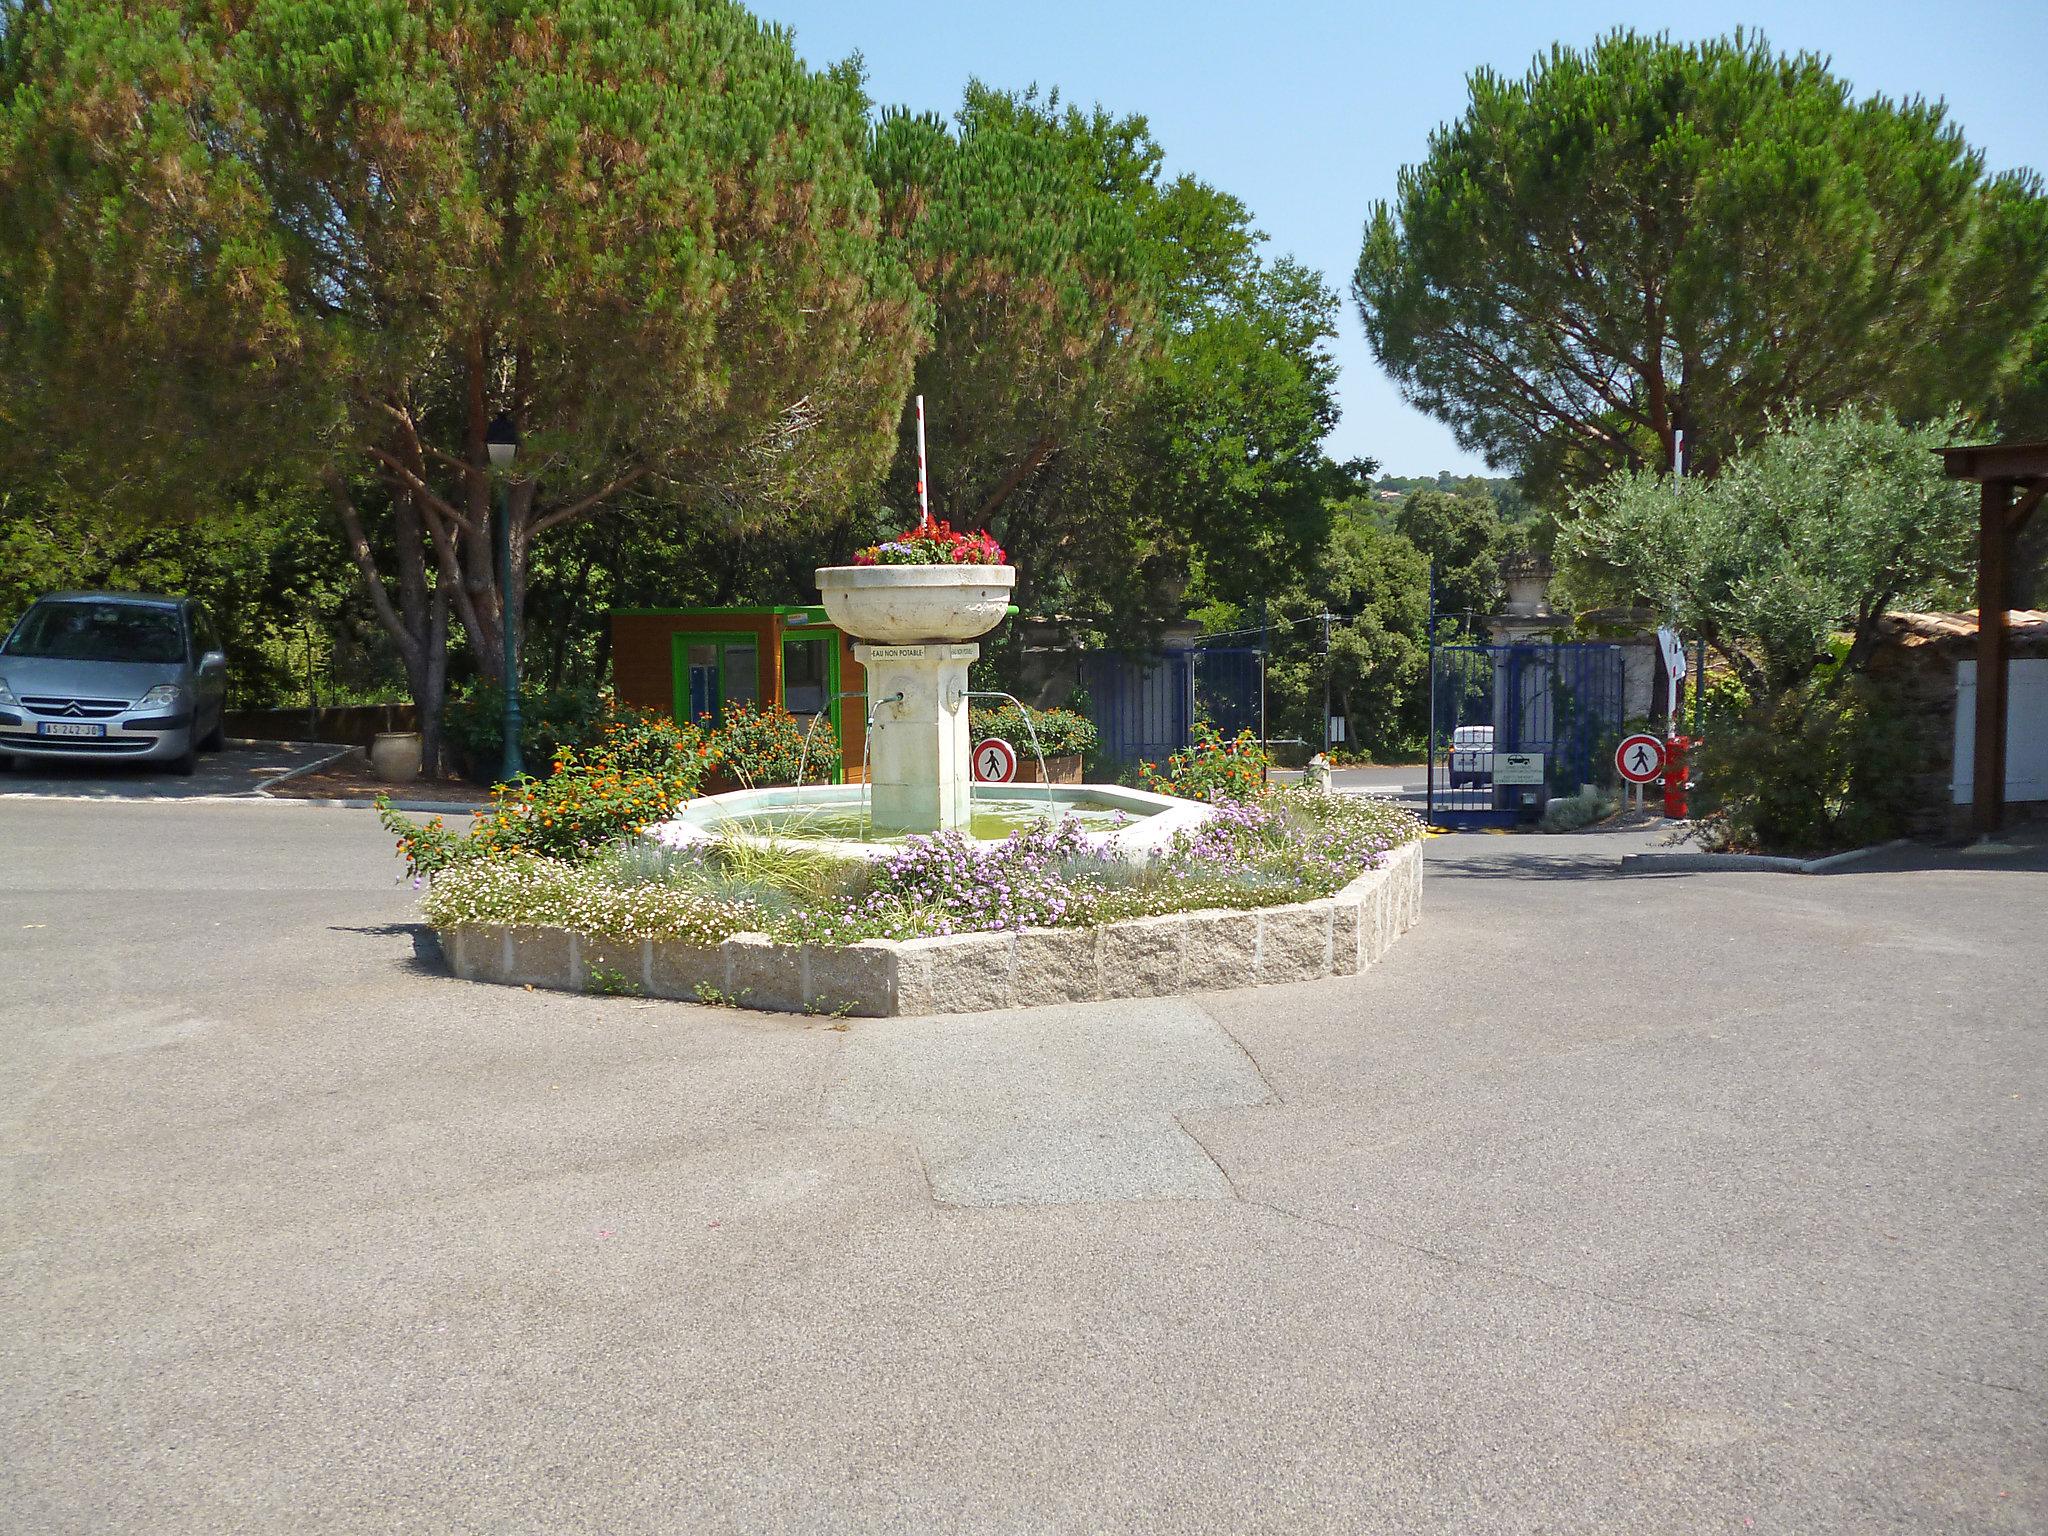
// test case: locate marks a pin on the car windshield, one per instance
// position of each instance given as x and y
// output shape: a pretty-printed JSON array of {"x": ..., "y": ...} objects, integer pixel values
[{"x": 92, "y": 631}]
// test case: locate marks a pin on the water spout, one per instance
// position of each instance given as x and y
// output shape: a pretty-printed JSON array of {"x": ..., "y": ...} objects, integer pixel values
[
  {"x": 803, "y": 757},
  {"x": 1029, "y": 730}
]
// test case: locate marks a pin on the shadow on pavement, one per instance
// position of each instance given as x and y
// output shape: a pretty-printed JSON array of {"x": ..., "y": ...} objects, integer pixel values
[
  {"x": 2019, "y": 852},
  {"x": 427, "y": 957},
  {"x": 1523, "y": 866}
]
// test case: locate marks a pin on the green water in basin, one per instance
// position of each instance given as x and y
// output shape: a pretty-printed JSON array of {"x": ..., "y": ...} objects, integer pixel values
[{"x": 847, "y": 821}]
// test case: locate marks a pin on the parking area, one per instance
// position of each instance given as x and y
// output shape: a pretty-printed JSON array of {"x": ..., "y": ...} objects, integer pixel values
[
  {"x": 242, "y": 768},
  {"x": 1699, "y": 1204}
]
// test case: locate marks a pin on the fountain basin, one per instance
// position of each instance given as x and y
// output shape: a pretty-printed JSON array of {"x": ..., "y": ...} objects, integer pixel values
[
  {"x": 916, "y": 604},
  {"x": 836, "y": 818}
]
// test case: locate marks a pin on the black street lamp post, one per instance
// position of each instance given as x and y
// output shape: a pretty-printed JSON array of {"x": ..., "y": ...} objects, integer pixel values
[{"x": 503, "y": 442}]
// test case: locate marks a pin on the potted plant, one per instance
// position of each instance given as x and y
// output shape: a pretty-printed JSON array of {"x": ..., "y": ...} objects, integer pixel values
[{"x": 926, "y": 585}]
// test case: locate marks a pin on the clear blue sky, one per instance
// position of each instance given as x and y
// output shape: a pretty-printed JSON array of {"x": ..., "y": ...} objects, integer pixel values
[{"x": 1306, "y": 109}]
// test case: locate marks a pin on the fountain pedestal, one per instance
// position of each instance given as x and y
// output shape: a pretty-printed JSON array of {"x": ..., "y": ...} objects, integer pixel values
[
  {"x": 919, "y": 762},
  {"x": 914, "y": 626}
]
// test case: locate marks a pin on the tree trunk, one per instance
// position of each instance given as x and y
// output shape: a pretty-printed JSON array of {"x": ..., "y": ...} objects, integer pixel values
[
  {"x": 418, "y": 621},
  {"x": 482, "y": 611},
  {"x": 431, "y": 697}
]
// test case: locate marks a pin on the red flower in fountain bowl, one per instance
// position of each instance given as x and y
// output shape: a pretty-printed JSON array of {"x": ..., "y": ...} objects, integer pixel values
[{"x": 933, "y": 544}]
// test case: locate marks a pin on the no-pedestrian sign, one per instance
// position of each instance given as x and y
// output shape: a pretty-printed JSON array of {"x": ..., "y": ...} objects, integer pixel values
[
  {"x": 1639, "y": 758},
  {"x": 995, "y": 761}
]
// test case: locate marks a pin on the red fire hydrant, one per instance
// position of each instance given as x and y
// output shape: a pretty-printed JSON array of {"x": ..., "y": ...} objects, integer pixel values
[{"x": 1677, "y": 776}]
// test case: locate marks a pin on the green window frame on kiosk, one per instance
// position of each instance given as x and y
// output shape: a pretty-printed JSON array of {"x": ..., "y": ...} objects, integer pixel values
[
  {"x": 715, "y": 669},
  {"x": 811, "y": 659}
]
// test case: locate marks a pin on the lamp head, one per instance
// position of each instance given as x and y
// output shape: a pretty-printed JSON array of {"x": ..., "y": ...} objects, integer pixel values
[{"x": 502, "y": 440}]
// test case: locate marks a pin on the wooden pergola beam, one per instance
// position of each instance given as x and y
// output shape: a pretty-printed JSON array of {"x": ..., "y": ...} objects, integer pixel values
[
  {"x": 1994, "y": 596},
  {"x": 2010, "y": 478}
]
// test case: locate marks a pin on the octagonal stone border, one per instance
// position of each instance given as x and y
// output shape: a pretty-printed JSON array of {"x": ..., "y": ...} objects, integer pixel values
[{"x": 1339, "y": 935}]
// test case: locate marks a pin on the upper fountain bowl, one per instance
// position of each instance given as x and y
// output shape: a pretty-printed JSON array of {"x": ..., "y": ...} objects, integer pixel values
[{"x": 916, "y": 604}]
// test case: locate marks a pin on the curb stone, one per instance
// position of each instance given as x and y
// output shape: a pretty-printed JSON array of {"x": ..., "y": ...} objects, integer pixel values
[
  {"x": 1753, "y": 863},
  {"x": 318, "y": 763},
  {"x": 1222, "y": 949}
]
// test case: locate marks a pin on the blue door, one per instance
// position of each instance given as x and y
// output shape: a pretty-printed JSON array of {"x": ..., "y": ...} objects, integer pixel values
[{"x": 702, "y": 660}]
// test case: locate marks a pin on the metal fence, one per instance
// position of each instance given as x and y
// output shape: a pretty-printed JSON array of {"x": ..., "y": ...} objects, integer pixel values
[
  {"x": 1230, "y": 687},
  {"x": 1145, "y": 705},
  {"x": 1513, "y": 725}
]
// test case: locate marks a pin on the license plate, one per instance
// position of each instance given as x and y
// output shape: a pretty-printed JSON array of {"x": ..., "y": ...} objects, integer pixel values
[{"x": 68, "y": 728}]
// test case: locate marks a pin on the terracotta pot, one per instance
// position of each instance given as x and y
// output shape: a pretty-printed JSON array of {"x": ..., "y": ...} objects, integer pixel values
[
  {"x": 395, "y": 755},
  {"x": 1058, "y": 769}
]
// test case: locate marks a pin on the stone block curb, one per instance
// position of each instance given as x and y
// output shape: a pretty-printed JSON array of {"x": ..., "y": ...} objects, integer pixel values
[
  {"x": 305, "y": 768},
  {"x": 1677, "y": 863},
  {"x": 1214, "y": 950}
]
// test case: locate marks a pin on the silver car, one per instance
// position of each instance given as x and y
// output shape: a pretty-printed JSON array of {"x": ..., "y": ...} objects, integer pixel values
[{"x": 112, "y": 676}]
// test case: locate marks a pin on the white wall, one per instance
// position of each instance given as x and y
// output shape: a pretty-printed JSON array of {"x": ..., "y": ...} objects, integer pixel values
[{"x": 2026, "y": 730}]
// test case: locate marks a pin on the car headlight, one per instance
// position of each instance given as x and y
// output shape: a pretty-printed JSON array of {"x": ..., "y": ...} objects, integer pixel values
[
  {"x": 7, "y": 698},
  {"x": 162, "y": 696}
]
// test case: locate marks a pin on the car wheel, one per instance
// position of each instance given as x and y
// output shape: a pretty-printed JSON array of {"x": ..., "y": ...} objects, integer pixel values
[
  {"x": 186, "y": 763},
  {"x": 216, "y": 738}
]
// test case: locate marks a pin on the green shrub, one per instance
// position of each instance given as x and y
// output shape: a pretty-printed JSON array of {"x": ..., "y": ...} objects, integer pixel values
[
  {"x": 1823, "y": 767},
  {"x": 473, "y": 724},
  {"x": 641, "y": 769},
  {"x": 1061, "y": 732},
  {"x": 1211, "y": 768},
  {"x": 764, "y": 744},
  {"x": 1582, "y": 809}
]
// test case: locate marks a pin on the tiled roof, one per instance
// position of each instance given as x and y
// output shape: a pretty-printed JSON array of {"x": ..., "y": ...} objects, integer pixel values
[{"x": 1934, "y": 628}]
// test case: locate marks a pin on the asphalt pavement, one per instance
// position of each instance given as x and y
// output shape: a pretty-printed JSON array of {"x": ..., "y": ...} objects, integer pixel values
[
  {"x": 242, "y": 768},
  {"x": 1702, "y": 1203}
]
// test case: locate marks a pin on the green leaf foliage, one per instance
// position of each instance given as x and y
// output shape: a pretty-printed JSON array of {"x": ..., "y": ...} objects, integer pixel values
[
  {"x": 1464, "y": 539},
  {"x": 1121, "y": 383},
  {"x": 1650, "y": 236},
  {"x": 641, "y": 225},
  {"x": 1814, "y": 531},
  {"x": 267, "y": 568},
  {"x": 328, "y": 241}
]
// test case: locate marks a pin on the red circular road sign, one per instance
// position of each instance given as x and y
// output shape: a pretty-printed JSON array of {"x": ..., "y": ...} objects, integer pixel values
[
  {"x": 995, "y": 761},
  {"x": 1639, "y": 758}
]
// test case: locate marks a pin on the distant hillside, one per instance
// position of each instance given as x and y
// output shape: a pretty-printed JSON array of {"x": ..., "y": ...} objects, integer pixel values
[{"x": 1506, "y": 494}]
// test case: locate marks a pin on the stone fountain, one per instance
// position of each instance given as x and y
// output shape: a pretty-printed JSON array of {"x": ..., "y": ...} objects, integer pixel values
[{"x": 916, "y": 630}]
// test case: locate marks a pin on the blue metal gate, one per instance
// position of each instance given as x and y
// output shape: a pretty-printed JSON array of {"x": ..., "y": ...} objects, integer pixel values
[
  {"x": 1229, "y": 687},
  {"x": 1143, "y": 705},
  {"x": 1513, "y": 725}
]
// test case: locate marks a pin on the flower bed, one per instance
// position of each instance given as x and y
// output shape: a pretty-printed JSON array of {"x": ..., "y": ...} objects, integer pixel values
[
  {"x": 1339, "y": 935},
  {"x": 1274, "y": 852},
  {"x": 557, "y": 888}
]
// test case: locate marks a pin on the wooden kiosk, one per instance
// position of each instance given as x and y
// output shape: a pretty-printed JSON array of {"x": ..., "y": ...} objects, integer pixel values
[{"x": 691, "y": 663}]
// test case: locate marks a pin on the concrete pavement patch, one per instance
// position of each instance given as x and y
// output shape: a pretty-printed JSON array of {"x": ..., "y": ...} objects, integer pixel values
[{"x": 1050, "y": 1105}]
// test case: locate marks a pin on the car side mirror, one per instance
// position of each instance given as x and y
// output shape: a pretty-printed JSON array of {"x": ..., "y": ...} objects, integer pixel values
[{"x": 213, "y": 661}]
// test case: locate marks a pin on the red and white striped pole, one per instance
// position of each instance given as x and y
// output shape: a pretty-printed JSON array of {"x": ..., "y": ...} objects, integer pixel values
[{"x": 924, "y": 495}]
